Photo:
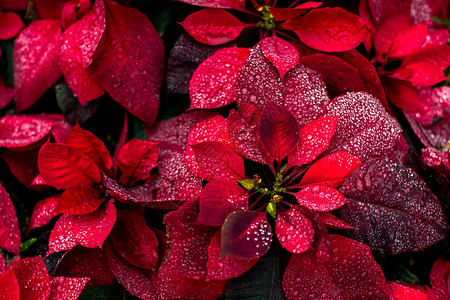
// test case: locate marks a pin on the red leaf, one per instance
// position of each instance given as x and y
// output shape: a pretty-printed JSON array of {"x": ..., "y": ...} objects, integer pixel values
[
  {"x": 420, "y": 73},
  {"x": 331, "y": 221},
  {"x": 236, "y": 4},
  {"x": 218, "y": 199},
  {"x": 218, "y": 160},
  {"x": 86, "y": 262},
  {"x": 63, "y": 288},
  {"x": 351, "y": 273},
  {"x": 43, "y": 212},
  {"x": 23, "y": 165},
  {"x": 212, "y": 83},
  {"x": 331, "y": 170},
  {"x": 132, "y": 278},
  {"x": 382, "y": 190},
  {"x": 90, "y": 145},
  {"x": 245, "y": 234},
  {"x": 134, "y": 240},
  {"x": 278, "y": 131},
  {"x": 10, "y": 25},
  {"x": 77, "y": 47},
  {"x": 50, "y": 9},
  {"x": 9, "y": 226},
  {"x": 320, "y": 197},
  {"x": 136, "y": 159},
  {"x": 294, "y": 231},
  {"x": 35, "y": 61},
  {"x": 62, "y": 237},
  {"x": 33, "y": 279},
  {"x": 281, "y": 54},
  {"x": 9, "y": 287},
  {"x": 314, "y": 139},
  {"x": 213, "y": 26},
  {"x": 329, "y": 29},
  {"x": 6, "y": 93},
  {"x": 439, "y": 275},
  {"x": 284, "y": 14},
  {"x": 130, "y": 67},
  {"x": 402, "y": 292},
  {"x": 79, "y": 200},
  {"x": 91, "y": 230},
  {"x": 63, "y": 166}
]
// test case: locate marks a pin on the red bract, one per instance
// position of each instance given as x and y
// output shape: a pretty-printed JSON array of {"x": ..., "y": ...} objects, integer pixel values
[
  {"x": 9, "y": 229},
  {"x": 439, "y": 278}
]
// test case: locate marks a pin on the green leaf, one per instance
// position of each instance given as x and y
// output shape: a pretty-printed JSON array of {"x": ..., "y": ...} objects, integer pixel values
[
  {"x": 137, "y": 128},
  {"x": 247, "y": 184},
  {"x": 398, "y": 272},
  {"x": 163, "y": 20},
  {"x": 263, "y": 281},
  {"x": 7, "y": 64},
  {"x": 271, "y": 208},
  {"x": 102, "y": 293},
  {"x": 27, "y": 244}
]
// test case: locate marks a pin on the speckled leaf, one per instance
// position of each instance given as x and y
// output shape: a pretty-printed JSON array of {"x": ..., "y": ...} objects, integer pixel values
[
  {"x": 80, "y": 200},
  {"x": 9, "y": 229},
  {"x": 130, "y": 66},
  {"x": 43, "y": 212},
  {"x": 218, "y": 199},
  {"x": 381, "y": 191},
  {"x": 213, "y": 26},
  {"x": 331, "y": 170},
  {"x": 281, "y": 54},
  {"x": 91, "y": 230},
  {"x": 62, "y": 237},
  {"x": 10, "y": 24},
  {"x": 439, "y": 278},
  {"x": 245, "y": 234},
  {"x": 33, "y": 279},
  {"x": 329, "y": 29},
  {"x": 35, "y": 61},
  {"x": 136, "y": 159},
  {"x": 212, "y": 83},
  {"x": 134, "y": 240},
  {"x": 294, "y": 231},
  {"x": 218, "y": 160},
  {"x": 2, "y": 264},
  {"x": 132, "y": 278},
  {"x": 85, "y": 262},
  {"x": 237, "y": 4},
  {"x": 9, "y": 287},
  {"x": 320, "y": 197},
  {"x": 314, "y": 138},
  {"x": 63, "y": 288},
  {"x": 278, "y": 131},
  {"x": 63, "y": 166}
]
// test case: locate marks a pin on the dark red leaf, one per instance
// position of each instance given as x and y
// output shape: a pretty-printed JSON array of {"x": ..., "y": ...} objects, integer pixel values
[
  {"x": 6, "y": 93},
  {"x": 212, "y": 83},
  {"x": 218, "y": 199},
  {"x": 10, "y": 25},
  {"x": 79, "y": 200},
  {"x": 213, "y": 26},
  {"x": 284, "y": 14},
  {"x": 9, "y": 226},
  {"x": 136, "y": 159},
  {"x": 63, "y": 288},
  {"x": 33, "y": 279},
  {"x": 132, "y": 278},
  {"x": 130, "y": 66},
  {"x": 134, "y": 240},
  {"x": 90, "y": 145},
  {"x": 62, "y": 237},
  {"x": 23, "y": 165},
  {"x": 439, "y": 278},
  {"x": 86, "y": 262},
  {"x": 35, "y": 61},
  {"x": 331, "y": 221},
  {"x": 351, "y": 273},
  {"x": 91, "y": 230},
  {"x": 294, "y": 231},
  {"x": 63, "y": 166},
  {"x": 9, "y": 287},
  {"x": 49, "y": 9},
  {"x": 320, "y": 197},
  {"x": 278, "y": 131},
  {"x": 281, "y": 54},
  {"x": 237, "y": 4},
  {"x": 43, "y": 212},
  {"x": 245, "y": 234},
  {"x": 329, "y": 29},
  {"x": 382, "y": 190}
]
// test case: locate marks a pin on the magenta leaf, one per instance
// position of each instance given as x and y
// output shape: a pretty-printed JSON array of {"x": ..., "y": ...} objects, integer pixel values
[
  {"x": 6, "y": 93},
  {"x": 9, "y": 287},
  {"x": 11, "y": 25},
  {"x": 63, "y": 166},
  {"x": 294, "y": 231},
  {"x": 329, "y": 29},
  {"x": 245, "y": 234},
  {"x": 67, "y": 288},
  {"x": 131, "y": 78},
  {"x": 218, "y": 199},
  {"x": 278, "y": 131},
  {"x": 351, "y": 273},
  {"x": 236, "y": 4},
  {"x": 33, "y": 279},
  {"x": 43, "y": 212},
  {"x": 382, "y": 190},
  {"x": 439, "y": 275},
  {"x": 91, "y": 230},
  {"x": 212, "y": 83},
  {"x": 320, "y": 197},
  {"x": 281, "y": 54},
  {"x": 213, "y": 26},
  {"x": 35, "y": 61},
  {"x": 79, "y": 200},
  {"x": 62, "y": 237},
  {"x": 9, "y": 229}
]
